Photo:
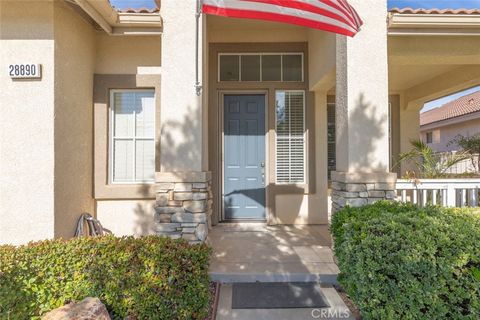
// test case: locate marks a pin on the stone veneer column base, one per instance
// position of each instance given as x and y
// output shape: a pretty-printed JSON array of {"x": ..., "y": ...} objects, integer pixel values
[
  {"x": 358, "y": 189},
  {"x": 183, "y": 205}
]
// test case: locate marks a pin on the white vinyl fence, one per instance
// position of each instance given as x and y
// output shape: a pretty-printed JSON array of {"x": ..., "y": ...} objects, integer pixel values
[
  {"x": 443, "y": 192},
  {"x": 463, "y": 166}
]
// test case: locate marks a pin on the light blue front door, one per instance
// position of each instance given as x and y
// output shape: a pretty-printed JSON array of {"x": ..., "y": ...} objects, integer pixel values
[{"x": 244, "y": 157}]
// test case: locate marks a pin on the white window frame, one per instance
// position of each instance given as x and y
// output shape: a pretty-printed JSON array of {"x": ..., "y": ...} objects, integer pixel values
[
  {"x": 112, "y": 138},
  {"x": 304, "y": 141},
  {"x": 240, "y": 54}
]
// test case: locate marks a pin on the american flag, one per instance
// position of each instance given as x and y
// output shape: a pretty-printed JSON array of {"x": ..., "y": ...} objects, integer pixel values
[{"x": 336, "y": 16}]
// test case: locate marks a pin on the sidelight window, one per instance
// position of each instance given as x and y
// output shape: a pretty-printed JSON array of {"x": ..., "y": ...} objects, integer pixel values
[{"x": 290, "y": 136}]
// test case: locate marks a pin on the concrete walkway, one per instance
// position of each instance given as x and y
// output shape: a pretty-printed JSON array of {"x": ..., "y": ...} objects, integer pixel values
[{"x": 256, "y": 252}]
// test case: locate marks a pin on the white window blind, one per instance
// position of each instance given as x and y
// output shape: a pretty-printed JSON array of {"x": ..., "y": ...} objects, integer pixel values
[
  {"x": 290, "y": 136},
  {"x": 132, "y": 136}
]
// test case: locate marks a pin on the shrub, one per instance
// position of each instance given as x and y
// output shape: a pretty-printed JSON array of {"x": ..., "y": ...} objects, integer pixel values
[
  {"x": 398, "y": 261},
  {"x": 144, "y": 278}
]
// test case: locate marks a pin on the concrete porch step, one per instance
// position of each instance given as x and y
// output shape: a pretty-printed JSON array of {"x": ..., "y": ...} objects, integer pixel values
[
  {"x": 232, "y": 277},
  {"x": 272, "y": 254}
]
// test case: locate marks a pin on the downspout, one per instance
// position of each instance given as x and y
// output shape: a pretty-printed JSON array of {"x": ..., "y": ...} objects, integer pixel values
[{"x": 198, "y": 14}]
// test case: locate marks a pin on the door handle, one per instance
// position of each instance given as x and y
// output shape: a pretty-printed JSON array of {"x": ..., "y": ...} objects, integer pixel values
[{"x": 262, "y": 165}]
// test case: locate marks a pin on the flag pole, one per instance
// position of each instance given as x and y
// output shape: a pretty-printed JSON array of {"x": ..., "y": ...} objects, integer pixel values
[{"x": 198, "y": 14}]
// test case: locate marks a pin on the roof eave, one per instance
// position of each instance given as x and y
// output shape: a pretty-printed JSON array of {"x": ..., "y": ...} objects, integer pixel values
[
  {"x": 122, "y": 23},
  {"x": 433, "y": 24},
  {"x": 449, "y": 121}
]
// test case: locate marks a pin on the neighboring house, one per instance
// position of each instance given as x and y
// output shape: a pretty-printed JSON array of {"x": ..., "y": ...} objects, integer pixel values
[
  {"x": 114, "y": 126},
  {"x": 439, "y": 126}
]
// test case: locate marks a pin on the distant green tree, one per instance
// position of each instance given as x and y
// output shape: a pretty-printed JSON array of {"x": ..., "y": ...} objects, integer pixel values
[
  {"x": 428, "y": 163},
  {"x": 471, "y": 146}
]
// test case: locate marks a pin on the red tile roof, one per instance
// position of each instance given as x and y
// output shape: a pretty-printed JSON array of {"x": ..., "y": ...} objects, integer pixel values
[
  {"x": 140, "y": 10},
  {"x": 406, "y": 10},
  {"x": 434, "y": 11},
  {"x": 459, "y": 107}
]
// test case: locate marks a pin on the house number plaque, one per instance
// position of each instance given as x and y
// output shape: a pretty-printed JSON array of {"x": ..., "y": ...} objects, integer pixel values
[{"x": 25, "y": 71}]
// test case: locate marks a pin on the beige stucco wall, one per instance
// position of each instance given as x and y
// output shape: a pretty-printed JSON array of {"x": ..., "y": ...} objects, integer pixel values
[
  {"x": 409, "y": 127},
  {"x": 127, "y": 54},
  {"x": 74, "y": 64},
  {"x": 227, "y": 30},
  {"x": 27, "y": 123},
  {"x": 447, "y": 133},
  {"x": 321, "y": 64},
  {"x": 127, "y": 217},
  {"x": 434, "y": 50},
  {"x": 181, "y": 111}
]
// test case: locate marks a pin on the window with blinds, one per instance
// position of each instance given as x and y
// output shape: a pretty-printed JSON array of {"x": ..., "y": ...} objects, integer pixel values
[
  {"x": 290, "y": 136},
  {"x": 132, "y": 136}
]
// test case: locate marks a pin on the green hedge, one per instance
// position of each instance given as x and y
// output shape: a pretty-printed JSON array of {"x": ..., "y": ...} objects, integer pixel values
[
  {"x": 145, "y": 278},
  {"x": 403, "y": 262}
]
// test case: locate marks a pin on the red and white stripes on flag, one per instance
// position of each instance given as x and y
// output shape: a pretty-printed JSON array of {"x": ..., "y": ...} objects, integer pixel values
[{"x": 329, "y": 15}]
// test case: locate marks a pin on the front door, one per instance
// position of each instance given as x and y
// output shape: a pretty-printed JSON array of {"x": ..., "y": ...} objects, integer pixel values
[{"x": 244, "y": 157}]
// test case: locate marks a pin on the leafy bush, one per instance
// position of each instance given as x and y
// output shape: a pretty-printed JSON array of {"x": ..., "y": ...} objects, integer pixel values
[
  {"x": 399, "y": 261},
  {"x": 470, "y": 145},
  {"x": 428, "y": 163},
  {"x": 145, "y": 278}
]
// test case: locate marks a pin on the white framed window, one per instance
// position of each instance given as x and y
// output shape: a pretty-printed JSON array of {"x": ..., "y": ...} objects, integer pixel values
[
  {"x": 132, "y": 136},
  {"x": 290, "y": 136},
  {"x": 261, "y": 67}
]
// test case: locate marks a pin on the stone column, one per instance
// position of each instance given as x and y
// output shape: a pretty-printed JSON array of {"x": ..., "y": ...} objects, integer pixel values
[
  {"x": 184, "y": 205},
  {"x": 183, "y": 198},
  {"x": 363, "y": 157}
]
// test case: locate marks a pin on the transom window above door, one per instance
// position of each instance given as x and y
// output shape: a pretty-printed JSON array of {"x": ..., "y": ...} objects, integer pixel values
[{"x": 258, "y": 67}]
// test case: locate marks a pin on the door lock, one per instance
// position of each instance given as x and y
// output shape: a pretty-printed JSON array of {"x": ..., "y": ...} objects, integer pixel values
[{"x": 262, "y": 165}]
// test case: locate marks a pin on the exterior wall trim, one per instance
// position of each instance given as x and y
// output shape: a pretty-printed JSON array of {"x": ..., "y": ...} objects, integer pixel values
[
  {"x": 433, "y": 24},
  {"x": 103, "y": 83}
]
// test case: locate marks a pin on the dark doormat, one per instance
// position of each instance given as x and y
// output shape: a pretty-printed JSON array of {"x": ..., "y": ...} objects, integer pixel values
[{"x": 277, "y": 295}]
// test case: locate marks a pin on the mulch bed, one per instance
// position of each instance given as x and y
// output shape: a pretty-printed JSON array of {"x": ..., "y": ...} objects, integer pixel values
[
  {"x": 214, "y": 292},
  {"x": 349, "y": 303}
]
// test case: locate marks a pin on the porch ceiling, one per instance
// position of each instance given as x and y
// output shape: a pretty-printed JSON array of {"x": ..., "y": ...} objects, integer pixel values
[
  {"x": 402, "y": 77},
  {"x": 431, "y": 62}
]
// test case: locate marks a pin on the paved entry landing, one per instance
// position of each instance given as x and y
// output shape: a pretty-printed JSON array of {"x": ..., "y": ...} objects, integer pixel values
[{"x": 256, "y": 252}]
